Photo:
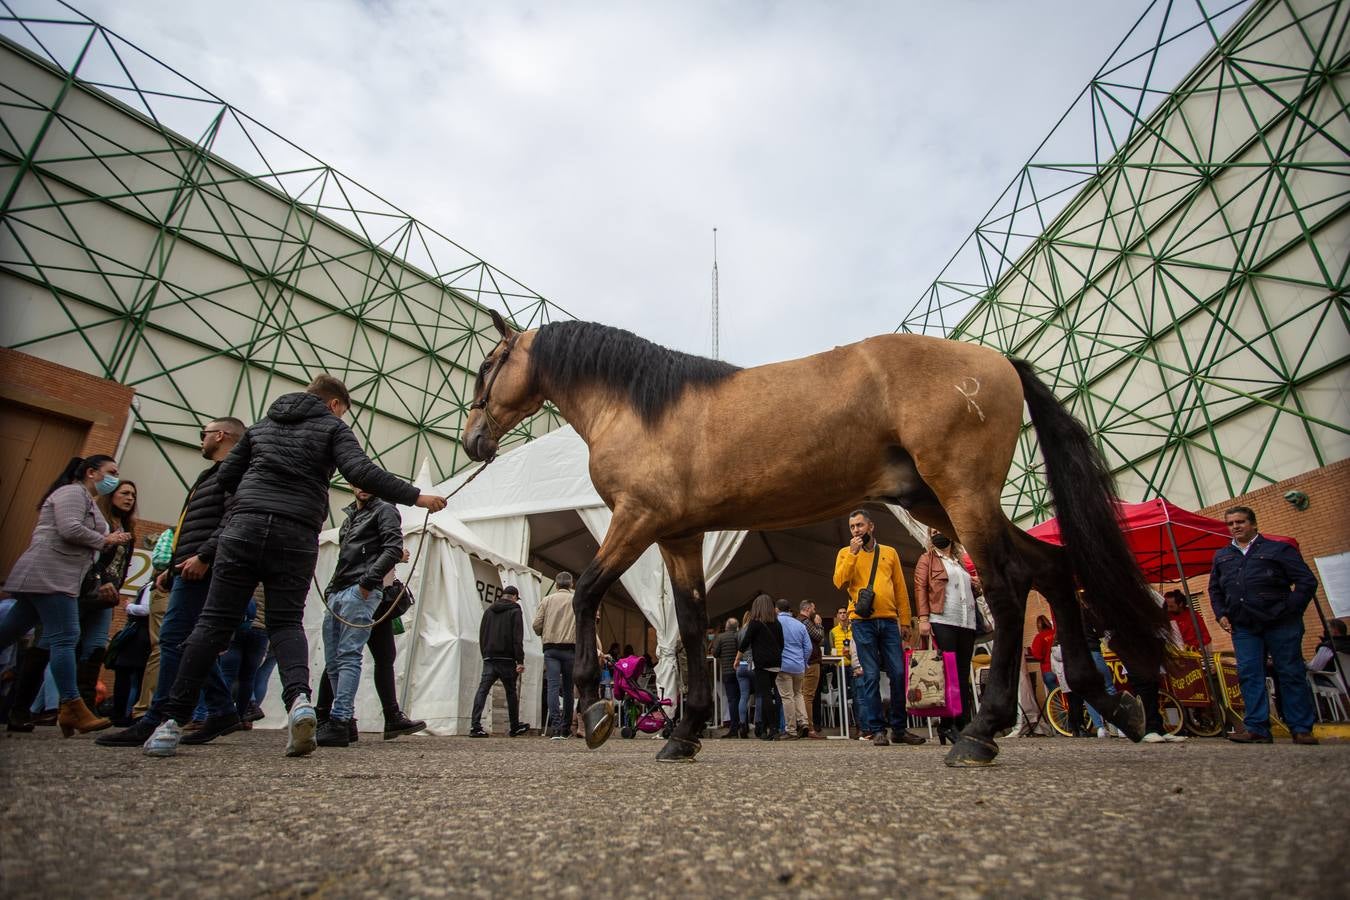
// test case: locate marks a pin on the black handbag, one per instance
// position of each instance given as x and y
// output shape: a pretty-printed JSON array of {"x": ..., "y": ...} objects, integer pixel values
[
  {"x": 865, "y": 605},
  {"x": 90, "y": 598},
  {"x": 399, "y": 596}
]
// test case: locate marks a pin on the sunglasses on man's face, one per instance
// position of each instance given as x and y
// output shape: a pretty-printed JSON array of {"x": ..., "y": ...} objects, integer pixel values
[{"x": 201, "y": 435}]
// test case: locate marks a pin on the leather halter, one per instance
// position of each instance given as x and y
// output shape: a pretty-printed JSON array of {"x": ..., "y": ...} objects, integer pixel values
[{"x": 487, "y": 390}]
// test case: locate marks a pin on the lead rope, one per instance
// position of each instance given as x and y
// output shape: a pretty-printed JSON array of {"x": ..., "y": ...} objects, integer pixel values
[{"x": 412, "y": 568}]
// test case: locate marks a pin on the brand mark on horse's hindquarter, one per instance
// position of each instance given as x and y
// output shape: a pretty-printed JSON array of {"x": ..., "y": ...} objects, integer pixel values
[{"x": 968, "y": 388}]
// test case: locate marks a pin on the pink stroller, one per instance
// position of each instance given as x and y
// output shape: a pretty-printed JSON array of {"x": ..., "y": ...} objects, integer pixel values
[{"x": 639, "y": 709}]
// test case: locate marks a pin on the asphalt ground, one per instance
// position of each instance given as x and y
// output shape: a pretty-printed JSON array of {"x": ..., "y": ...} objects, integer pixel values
[{"x": 1057, "y": 817}]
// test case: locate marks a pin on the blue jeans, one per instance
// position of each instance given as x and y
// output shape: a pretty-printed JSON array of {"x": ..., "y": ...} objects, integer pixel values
[
  {"x": 1100, "y": 662},
  {"x": 558, "y": 662},
  {"x": 241, "y": 663},
  {"x": 746, "y": 685},
  {"x": 342, "y": 644},
  {"x": 876, "y": 646},
  {"x": 260, "y": 680},
  {"x": 60, "y": 618},
  {"x": 186, "y": 600},
  {"x": 94, "y": 625},
  {"x": 732, "y": 686},
  {"x": 1283, "y": 640}
]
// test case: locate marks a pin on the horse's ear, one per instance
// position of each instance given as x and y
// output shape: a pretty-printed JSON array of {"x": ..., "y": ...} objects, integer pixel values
[{"x": 502, "y": 328}]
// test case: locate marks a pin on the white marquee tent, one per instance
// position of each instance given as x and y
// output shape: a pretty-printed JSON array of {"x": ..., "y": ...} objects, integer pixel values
[{"x": 438, "y": 665}]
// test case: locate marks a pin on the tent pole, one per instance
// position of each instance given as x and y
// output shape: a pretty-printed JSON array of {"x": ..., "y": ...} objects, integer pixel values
[
  {"x": 1206, "y": 662},
  {"x": 414, "y": 634}
]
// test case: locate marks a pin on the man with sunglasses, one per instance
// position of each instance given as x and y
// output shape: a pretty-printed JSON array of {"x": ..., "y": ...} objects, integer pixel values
[{"x": 188, "y": 579}]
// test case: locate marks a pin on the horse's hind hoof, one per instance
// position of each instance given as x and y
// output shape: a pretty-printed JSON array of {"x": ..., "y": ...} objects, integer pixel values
[
  {"x": 971, "y": 752},
  {"x": 679, "y": 750},
  {"x": 1129, "y": 716},
  {"x": 598, "y": 720}
]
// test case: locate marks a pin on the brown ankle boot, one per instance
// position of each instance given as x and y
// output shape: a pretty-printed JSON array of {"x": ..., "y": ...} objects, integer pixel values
[{"x": 75, "y": 716}]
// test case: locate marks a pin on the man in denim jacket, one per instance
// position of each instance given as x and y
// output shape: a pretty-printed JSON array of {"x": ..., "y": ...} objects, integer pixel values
[{"x": 1260, "y": 589}]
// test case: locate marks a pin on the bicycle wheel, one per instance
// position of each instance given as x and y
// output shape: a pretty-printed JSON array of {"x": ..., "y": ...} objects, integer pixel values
[
  {"x": 1203, "y": 721},
  {"x": 1057, "y": 712},
  {"x": 1173, "y": 715}
]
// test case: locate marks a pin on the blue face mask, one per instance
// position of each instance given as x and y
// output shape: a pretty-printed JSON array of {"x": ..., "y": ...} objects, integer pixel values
[{"x": 107, "y": 484}]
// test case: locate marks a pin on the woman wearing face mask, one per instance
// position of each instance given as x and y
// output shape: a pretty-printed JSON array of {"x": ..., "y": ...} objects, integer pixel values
[
  {"x": 45, "y": 580},
  {"x": 944, "y": 595}
]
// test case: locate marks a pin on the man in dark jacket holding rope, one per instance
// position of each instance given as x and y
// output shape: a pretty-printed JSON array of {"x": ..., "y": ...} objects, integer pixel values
[
  {"x": 279, "y": 474},
  {"x": 370, "y": 542}
]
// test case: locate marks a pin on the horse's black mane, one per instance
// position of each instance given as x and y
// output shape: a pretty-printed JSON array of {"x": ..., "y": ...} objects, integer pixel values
[{"x": 571, "y": 354}]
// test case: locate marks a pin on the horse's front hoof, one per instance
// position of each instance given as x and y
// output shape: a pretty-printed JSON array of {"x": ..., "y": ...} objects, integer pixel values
[
  {"x": 679, "y": 750},
  {"x": 971, "y": 752},
  {"x": 1129, "y": 716},
  {"x": 598, "y": 720}
]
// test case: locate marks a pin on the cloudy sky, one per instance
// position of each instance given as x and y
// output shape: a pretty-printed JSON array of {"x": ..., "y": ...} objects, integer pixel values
[{"x": 842, "y": 150}]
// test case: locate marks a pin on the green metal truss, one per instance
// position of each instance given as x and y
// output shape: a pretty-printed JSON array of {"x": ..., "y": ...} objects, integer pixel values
[
  {"x": 1174, "y": 259},
  {"x": 153, "y": 234}
]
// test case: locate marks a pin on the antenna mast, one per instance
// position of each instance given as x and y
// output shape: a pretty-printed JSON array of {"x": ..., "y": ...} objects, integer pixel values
[{"x": 716, "y": 350}]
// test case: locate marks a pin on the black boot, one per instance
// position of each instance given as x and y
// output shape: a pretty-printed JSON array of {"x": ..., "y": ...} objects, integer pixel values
[
  {"x": 86, "y": 677},
  {"x": 398, "y": 724},
  {"x": 32, "y": 668},
  {"x": 334, "y": 733}
]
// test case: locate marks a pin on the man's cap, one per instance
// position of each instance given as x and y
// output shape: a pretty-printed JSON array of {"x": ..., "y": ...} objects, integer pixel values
[{"x": 511, "y": 589}]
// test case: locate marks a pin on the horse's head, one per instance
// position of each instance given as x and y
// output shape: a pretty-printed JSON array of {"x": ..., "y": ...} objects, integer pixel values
[{"x": 502, "y": 393}]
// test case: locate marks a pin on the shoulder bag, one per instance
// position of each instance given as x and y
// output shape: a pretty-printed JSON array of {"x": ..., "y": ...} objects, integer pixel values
[{"x": 865, "y": 605}]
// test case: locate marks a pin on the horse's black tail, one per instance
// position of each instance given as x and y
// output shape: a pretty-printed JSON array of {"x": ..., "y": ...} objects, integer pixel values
[{"x": 1113, "y": 585}]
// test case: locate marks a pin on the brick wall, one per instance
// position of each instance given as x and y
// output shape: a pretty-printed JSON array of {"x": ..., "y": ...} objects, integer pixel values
[
  {"x": 78, "y": 395},
  {"x": 1321, "y": 530}
]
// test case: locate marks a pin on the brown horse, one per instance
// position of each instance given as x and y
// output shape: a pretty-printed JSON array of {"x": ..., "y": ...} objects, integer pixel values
[{"x": 681, "y": 445}]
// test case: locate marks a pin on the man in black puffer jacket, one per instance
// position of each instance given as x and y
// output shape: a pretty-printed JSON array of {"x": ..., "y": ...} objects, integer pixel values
[
  {"x": 501, "y": 640},
  {"x": 279, "y": 474}
]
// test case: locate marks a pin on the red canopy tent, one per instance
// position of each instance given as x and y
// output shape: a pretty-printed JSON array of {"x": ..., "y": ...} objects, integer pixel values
[{"x": 1151, "y": 528}]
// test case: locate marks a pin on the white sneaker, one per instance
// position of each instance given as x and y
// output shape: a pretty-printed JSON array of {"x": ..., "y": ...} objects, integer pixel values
[
  {"x": 164, "y": 742},
  {"x": 1174, "y": 738},
  {"x": 301, "y": 723},
  {"x": 1154, "y": 738}
]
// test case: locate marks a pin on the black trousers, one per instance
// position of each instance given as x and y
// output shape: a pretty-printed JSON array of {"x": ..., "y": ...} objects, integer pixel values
[
  {"x": 383, "y": 651},
  {"x": 767, "y": 703},
  {"x": 961, "y": 641},
  {"x": 732, "y": 686},
  {"x": 254, "y": 548},
  {"x": 503, "y": 670}
]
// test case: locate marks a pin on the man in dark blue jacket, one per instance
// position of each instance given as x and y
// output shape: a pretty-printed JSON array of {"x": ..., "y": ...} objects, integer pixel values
[
  {"x": 279, "y": 474},
  {"x": 1260, "y": 589},
  {"x": 188, "y": 581}
]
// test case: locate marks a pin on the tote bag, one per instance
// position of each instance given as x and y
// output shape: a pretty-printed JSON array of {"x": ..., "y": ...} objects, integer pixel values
[{"x": 931, "y": 685}]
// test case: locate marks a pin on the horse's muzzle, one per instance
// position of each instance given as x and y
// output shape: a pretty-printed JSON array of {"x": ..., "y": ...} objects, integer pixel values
[{"x": 480, "y": 446}]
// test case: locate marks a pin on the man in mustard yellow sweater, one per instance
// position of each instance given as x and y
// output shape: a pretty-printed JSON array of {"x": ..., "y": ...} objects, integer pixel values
[{"x": 876, "y": 636}]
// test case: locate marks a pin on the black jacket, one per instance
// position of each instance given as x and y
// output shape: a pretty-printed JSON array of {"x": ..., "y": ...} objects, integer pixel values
[
  {"x": 501, "y": 634},
  {"x": 283, "y": 464},
  {"x": 202, "y": 514},
  {"x": 1269, "y": 583},
  {"x": 370, "y": 542},
  {"x": 764, "y": 640}
]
